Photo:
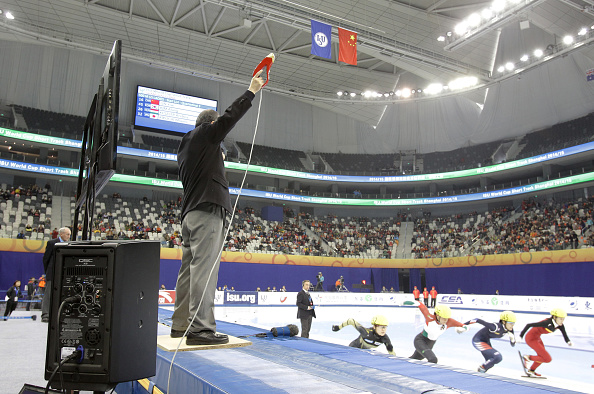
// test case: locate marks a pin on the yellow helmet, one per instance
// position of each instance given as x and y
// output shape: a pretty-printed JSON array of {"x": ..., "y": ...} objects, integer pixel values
[
  {"x": 379, "y": 320},
  {"x": 558, "y": 312},
  {"x": 443, "y": 311},
  {"x": 508, "y": 316}
]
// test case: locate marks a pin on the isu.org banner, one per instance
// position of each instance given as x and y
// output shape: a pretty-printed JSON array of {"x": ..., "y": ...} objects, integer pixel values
[
  {"x": 21, "y": 135},
  {"x": 536, "y": 187}
]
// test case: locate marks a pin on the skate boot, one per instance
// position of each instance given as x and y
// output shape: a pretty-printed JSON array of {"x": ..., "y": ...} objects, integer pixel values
[
  {"x": 533, "y": 374},
  {"x": 481, "y": 369}
]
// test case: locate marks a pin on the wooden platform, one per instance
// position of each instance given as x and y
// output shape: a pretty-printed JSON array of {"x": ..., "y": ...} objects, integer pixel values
[{"x": 169, "y": 344}]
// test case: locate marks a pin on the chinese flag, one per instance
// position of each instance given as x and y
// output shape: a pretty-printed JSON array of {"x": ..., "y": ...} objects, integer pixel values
[{"x": 347, "y": 46}]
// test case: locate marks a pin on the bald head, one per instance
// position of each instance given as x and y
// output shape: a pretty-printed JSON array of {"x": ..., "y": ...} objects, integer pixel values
[
  {"x": 64, "y": 233},
  {"x": 207, "y": 116}
]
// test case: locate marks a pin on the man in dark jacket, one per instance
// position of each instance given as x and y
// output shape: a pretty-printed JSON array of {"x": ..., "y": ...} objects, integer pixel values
[
  {"x": 204, "y": 205},
  {"x": 48, "y": 266},
  {"x": 31, "y": 287},
  {"x": 305, "y": 308}
]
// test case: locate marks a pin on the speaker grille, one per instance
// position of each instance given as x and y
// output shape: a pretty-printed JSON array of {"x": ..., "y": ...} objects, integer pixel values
[{"x": 85, "y": 271}]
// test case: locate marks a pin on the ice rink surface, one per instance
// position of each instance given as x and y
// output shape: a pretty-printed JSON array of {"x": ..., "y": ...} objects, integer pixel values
[{"x": 571, "y": 368}]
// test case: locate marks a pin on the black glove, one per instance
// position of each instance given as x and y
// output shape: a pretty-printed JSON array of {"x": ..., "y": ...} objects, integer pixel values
[{"x": 335, "y": 328}]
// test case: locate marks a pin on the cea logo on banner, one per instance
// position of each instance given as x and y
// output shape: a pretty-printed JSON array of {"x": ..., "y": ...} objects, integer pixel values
[
  {"x": 241, "y": 297},
  {"x": 451, "y": 300}
]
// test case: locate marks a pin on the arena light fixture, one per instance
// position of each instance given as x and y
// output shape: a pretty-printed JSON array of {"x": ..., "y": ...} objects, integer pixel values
[
  {"x": 463, "y": 83},
  {"x": 474, "y": 20},
  {"x": 339, "y": 93},
  {"x": 406, "y": 92},
  {"x": 487, "y": 14},
  {"x": 353, "y": 94},
  {"x": 524, "y": 58},
  {"x": 8, "y": 15},
  {"x": 441, "y": 38},
  {"x": 509, "y": 66},
  {"x": 538, "y": 52},
  {"x": 583, "y": 31},
  {"x": 498, "y": 5},
  {"x": 461, "y": 28},
  {"x": 497, "y": 15},
  {"x": 501, "y": 69},
  {"x": 568, "y": 40},
  {"x": 434, "y": 88}
]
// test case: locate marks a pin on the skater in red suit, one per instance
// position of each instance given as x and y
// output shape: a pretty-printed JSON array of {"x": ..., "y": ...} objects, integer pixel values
[{"x": 546, "y": 326}]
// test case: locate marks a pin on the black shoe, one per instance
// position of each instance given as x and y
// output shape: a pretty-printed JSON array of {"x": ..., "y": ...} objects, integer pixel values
[
  {"x": 44, "y": 319},
  {"x": 206, "y": 338},
  {"x": 177, "y": 333}
]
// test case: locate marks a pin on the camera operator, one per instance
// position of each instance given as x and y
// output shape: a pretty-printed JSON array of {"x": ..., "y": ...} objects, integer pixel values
[{"x": 320, "y": 283}]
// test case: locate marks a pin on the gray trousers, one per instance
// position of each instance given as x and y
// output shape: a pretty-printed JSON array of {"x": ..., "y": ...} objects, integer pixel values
[
  {"x": 202, "y": 234},
  {"x": 306, "y": 326},
  {"x": 45, "y": 301}
]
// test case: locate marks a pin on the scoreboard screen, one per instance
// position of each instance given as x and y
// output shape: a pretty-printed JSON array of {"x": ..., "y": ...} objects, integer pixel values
[{"x": 168, "y": 111}]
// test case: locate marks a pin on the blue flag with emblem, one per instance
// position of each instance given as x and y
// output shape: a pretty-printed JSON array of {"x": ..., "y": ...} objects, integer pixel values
[{"x": 321, "y": 38}]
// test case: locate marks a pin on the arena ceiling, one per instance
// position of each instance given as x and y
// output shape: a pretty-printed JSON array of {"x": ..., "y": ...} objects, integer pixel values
[{"x": 225, "y": 39}]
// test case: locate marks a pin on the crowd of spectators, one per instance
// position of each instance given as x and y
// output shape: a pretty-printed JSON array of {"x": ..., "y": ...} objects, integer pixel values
[
  {"x": 451, "y": 236},
  {"x": 24, "y": 210},
  {"x": 252, "y": 233},
  {"x": 541, "y": 227},
  {"x": 534, "y": 226},
  {"x": 357, "y": 235},
  {"x": 165, "y": 226}
]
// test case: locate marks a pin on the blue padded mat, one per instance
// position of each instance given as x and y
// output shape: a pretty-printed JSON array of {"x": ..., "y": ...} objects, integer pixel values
[{"x": 280, "y": 365}]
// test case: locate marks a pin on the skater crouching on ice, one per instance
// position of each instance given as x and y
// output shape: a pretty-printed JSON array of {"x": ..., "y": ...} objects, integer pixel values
[
  {"x": 370, "y": 338},
  {"x": 535, "y": 330},
  {"x": 482, "y": 339},
  {"x": 435, "y": 325}
]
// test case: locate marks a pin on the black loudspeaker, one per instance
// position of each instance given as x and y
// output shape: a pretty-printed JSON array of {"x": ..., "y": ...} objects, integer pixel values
[{"x": 104, "y": 302}]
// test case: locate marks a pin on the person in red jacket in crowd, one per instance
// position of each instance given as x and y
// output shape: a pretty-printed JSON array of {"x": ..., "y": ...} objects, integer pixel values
[
  {"x": 546, "y": 326},
  {"x": 425, "y": 296},
  {"x": 433, "y": 294},
  {"x": 416, "y": 293}
]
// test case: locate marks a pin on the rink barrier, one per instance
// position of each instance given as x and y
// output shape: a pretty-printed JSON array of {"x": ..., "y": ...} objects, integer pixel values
[{"x": 577, "y": 306}]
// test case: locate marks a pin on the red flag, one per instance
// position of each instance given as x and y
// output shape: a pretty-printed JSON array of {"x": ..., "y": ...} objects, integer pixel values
[{"x": 347, "y": 46}]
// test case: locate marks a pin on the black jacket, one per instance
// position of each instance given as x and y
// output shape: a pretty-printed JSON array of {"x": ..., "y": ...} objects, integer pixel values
[
  {"x": 13, "y": 292},
  {"x": 303, "y": 301},
  {"x": 201, "y": 166},
  {"x": 48, "y": 258},
  {"x": 548, "y": 325}
]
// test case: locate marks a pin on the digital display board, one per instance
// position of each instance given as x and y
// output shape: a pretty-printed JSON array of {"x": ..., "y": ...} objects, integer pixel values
[
  {"x": 571, "y": 150},
  {"x": 168, "y": 111},
  {"x": 361, "y": 202}
]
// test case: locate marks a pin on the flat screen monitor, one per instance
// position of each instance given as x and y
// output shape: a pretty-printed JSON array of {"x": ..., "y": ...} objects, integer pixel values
[{"x": 169, "y": 112}]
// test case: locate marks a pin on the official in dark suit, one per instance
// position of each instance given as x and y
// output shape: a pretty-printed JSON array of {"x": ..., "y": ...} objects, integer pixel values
[
  {"x": 48, "y": 266},
  {"x": 12, "y": 298},
  {"x": 204, "y": 205},
  {"x": 305, "y": 308}
]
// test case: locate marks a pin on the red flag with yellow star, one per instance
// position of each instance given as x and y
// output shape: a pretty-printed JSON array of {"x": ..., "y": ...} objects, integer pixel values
[{"x": 347, "y": 46}]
